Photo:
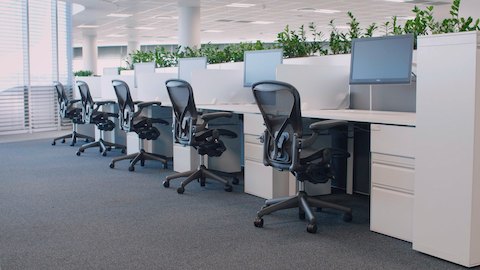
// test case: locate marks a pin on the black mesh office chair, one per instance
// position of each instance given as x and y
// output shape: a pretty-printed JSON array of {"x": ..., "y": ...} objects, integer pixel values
[
  {"x": 285, "y": 148},
  {"x": 69, "y": 110},
  {"x": 133, "y": 121},
  {"x": 191, "y": 130},
  {"x": 92, "y": 115}
]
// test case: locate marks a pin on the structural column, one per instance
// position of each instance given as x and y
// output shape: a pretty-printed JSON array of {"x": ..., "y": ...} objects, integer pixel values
[
  {"x": 90, "y": 52},
  {"x": 189, "y": 23},
  {"x": 132, "y": 46}
]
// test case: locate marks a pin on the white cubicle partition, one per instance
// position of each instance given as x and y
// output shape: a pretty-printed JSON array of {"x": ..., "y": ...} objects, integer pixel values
[
  {"x": 107, "y": 88},
  {"x": 151, "y": 87},
  {"x": 94, "y": 84},
  {"x": 447, "y": 166},
  {"x": 167, "y": 70},
  {"x": 341, "y": 60},
  {"x": 213, "y": 86},
  {"x": 320, "y": 87}
]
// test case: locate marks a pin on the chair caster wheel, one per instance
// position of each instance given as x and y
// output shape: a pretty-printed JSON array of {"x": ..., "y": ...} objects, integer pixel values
[
  {"x": 312, "y": 228},
  {"x": 347, "y": 217},
  {"x": 202, "y": 182},
  {"x": 53, "y": 143},
  {"x": 131, "y": 168},
  {"x": 104, "y": 154},
  {"x": 87, "y": 140},
  {"x": 112, "y": 165},
  {"x": 228, "y": 188},
  {"x": 142, "y": 163},
  {"x": 258, "y": 222},
  {"x": 165, "y": 165},
  {"x": 123, "y": 151},
  {"x": 301, "y": 216},
  {"x": 235, "y": 181},
  {"x": 78, "y": 153},
  {"x": 180, "y": 190},
  {"x": 81, "y": 150},
  {"x": 63, "y": 141},
  {"x": 166, "y": 184}
]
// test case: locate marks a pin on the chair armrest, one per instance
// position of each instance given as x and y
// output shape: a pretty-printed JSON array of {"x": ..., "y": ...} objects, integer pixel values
[
  {"x": 105, "y": 102},
  {"x": 214, "y": 115},
  {"x": 317, "y": 127},
  {"x": 142, "y": 105},
  {"x": 327, "y": 124},
  {"x": 159, "y": 121}
]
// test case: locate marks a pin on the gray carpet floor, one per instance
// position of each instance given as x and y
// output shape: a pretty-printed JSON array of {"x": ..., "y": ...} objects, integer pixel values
[{"x": 60, "y": 211}]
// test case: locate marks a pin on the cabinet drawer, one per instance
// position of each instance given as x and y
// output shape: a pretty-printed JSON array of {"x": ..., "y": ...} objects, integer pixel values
[
  {"x": 253, "y": 124},
  {"x": 254, "y": 152},
  {"x": 395, "y": 173},
  {"x": 391, "y": 213},
  {"x": 393, "y": 140},
  {"x": 265, "y": 182}
]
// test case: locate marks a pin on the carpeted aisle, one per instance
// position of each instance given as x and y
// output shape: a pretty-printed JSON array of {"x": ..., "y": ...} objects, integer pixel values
[{"x": 60, "y": 211}]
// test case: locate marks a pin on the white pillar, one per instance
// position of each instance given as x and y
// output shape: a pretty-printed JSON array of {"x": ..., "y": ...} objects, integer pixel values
[
  {"x": 132, "y": 46},
  {"x": 90, "y": 52},
  {"x": 189, "y": 23}
]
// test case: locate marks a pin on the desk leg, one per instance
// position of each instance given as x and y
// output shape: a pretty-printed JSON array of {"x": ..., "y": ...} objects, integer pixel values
[{"x": 350, "y": 160}]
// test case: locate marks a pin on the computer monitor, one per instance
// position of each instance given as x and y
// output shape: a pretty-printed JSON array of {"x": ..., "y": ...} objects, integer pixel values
[
  {"x": 187, "y": 65},
  {"x": 382, "y": 60},
  {"x": 261, "y": 65}
]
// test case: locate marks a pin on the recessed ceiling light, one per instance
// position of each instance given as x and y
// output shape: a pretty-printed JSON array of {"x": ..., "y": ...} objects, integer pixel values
[
  {"x": 398, "y": 1},
  {"x": 144, "y": 28},
  {"x": 161, "y": 17},
  {"x": 212, "y": 31},
  {"x": 403, "y": 18},
  {"x": 262, "y": 22},
  {"x": 240, "y": 5},
  {"x": 87, "y": 26},
  {"x": 119, "y": 15},
  {"x": 115, "y": 35},
  {"x": 327, "y": 11}
]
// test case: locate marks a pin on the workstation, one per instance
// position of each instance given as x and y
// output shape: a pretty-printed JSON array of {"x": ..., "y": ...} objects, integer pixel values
[
  {"x": 393, "y": 135},
  {"x": 387, "y": 129}
]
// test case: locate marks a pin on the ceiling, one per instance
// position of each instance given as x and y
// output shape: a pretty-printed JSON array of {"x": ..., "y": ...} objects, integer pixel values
[{"x": 156, "y": 21}]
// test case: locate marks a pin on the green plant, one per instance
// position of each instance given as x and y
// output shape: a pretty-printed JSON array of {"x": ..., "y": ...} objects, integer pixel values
[
  {"x": 294, "y": 44},
  {"x": 317, "y": 45},
  {"x": 338, "y": 41},
  {"x": 83, "y": 73},
  {"x": 370, "y": 30},
  {"x": 457, "y": 24}
]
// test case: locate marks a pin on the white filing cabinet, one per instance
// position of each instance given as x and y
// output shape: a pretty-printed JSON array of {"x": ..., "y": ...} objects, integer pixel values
[
  {"x": 392, "y": 180},
  {"x": 260, "y": 180}
]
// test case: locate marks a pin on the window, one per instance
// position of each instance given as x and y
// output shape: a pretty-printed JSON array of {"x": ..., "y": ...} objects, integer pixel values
[{"x": 36, "y": 50}]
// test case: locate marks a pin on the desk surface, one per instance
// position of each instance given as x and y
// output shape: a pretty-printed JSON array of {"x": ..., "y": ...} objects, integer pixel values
[{"x": 379, "y": 117}]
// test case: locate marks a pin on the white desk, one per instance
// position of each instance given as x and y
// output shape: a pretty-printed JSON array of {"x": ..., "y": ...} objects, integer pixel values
[
  {"x": 377, "y": 117},
  {"x": 392, "y": 163}
]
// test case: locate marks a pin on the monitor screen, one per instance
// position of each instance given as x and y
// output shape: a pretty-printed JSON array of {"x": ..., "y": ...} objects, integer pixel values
[
  {"x": 187, "y": 65},
  {"x": 381, "y": 60},
  {"x": 261, "y": 65}
]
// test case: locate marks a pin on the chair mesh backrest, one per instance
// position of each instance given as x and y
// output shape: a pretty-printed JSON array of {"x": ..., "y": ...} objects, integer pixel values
[
  {"x": 279, "y": 104},
  {"x": 184, "y": 109},
  {"x": 125, "y": 103},
  {"x": 87, "y": 101},
  {"x": 62, "y": 99}
]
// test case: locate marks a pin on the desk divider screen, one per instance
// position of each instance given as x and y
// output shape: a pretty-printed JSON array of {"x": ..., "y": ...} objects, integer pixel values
[
  {"x": 261, "y": 65},
  {"x": 187, "y": 65}
]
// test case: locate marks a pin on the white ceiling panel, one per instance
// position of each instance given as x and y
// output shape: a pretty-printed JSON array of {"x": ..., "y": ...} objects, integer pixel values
[{"x": 158, "y": 19}]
